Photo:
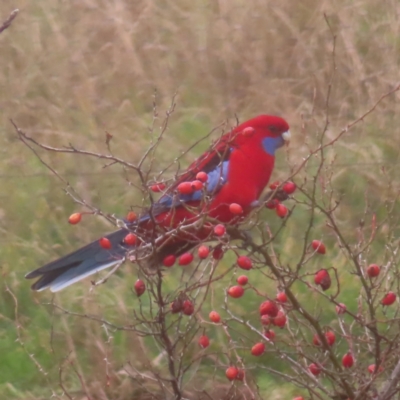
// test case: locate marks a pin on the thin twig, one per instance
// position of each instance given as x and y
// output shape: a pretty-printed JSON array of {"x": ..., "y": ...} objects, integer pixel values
[
  {"x": 391, "y": 382},
  {"x": 9, "y": 20}
]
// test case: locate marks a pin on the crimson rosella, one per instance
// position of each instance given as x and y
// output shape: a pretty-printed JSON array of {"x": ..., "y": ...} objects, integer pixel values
[{"x": 238, "y": 167}]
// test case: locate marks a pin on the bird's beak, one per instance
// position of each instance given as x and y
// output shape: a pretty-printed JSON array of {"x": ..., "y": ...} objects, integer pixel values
[{"x": 286, "y": 137}]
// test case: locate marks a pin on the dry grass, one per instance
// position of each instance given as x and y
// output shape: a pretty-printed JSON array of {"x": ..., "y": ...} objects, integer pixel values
[{"x": 71, "y": 70}]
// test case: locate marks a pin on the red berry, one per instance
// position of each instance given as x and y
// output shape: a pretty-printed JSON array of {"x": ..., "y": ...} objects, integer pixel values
[
  {"x": 157, "y": 187},
  {"x": 240, "y": 375},
  {"x": 249, "y": 131},
  {"x": 372, "y": 368},
  {"x": 323, "y": 279},
  {"x": 236, "y": 291},
  {"x": 236, "y": 209},
  {"x": 176, "y": 306},
  {"x": 105, "y": 243},
  {"x": 131, "y": 217},
  {"x": 330, "y": 338},
  {"x": 298, "y": 398},
  {"x": 188, "y": 307},
  {"x": 185, "y": 259},
  {"x": 389, "y": 299},
  {"x": 258, "y": 349},
  {"x": 202, "y": 176},
  {"x": 373, "y": 270},
  {"x": 281, "y": 297},
  {"x": 214, "y": 317},
  {"x": 318, "y": 246},
  {"x": 169, "y": 260},
  {"x": 348, "y": 360},
  {"x": 316, "y": 341},
  {"x": 218, "y": 253},
  {"x": 289, "y": 187},
  {"x": 219, "y": 230},
  {"x": 281, "y": 210},
  {"x": 140, "y": 287},
  {"x": 75, "y": 218},
  {"x": 185, "y": 188},
  {"x": 314, "y": 369},
  {"x": 270, "y": 334},
  {"x": 271, "y": 204},
  {"x": 197, "y": 185},
  {"x": 242, "y": 280},
  {"x": 130, "y": 239},
  {"x": 280, "y": 320},
  {"x": 274, "y": 185},
  {"x": 204, "y": 341},
  {"x": 265, "y": 319},
  {"x": 269, "y": 307},
  {"x": 244, "y": 262},
  {"x": 203, "y": 251},
  {"x": 231, "y": 373},
  {"x": 341, "y": 308}
]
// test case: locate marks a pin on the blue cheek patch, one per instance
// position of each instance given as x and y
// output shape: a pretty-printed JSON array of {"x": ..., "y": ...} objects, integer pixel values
[{"x": 270, "y": 144}]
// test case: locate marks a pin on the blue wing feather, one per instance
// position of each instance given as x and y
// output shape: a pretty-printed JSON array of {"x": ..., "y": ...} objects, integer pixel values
[{"x": 216, "y": 179}]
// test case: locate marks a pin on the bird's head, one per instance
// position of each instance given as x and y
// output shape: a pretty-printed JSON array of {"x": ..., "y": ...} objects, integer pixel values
[{"x": 270, "y": 131}]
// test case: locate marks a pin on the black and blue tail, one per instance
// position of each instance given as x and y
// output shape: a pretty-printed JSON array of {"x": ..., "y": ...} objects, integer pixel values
[{"x": 75, "y": 266}]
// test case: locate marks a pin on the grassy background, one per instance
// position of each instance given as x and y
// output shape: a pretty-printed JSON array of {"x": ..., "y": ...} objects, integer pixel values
[{"x": 72, "y": 70}]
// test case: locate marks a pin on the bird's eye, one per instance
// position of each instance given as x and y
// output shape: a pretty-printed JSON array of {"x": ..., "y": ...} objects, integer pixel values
[{"x": 273, "y": 129}]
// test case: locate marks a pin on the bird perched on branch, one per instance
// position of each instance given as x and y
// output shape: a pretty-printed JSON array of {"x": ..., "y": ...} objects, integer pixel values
[{"x": 236, "y": 169}]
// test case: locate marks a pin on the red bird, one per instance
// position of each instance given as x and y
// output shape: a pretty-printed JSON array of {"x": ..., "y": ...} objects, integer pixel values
[{"x": 238, "y": 168}]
